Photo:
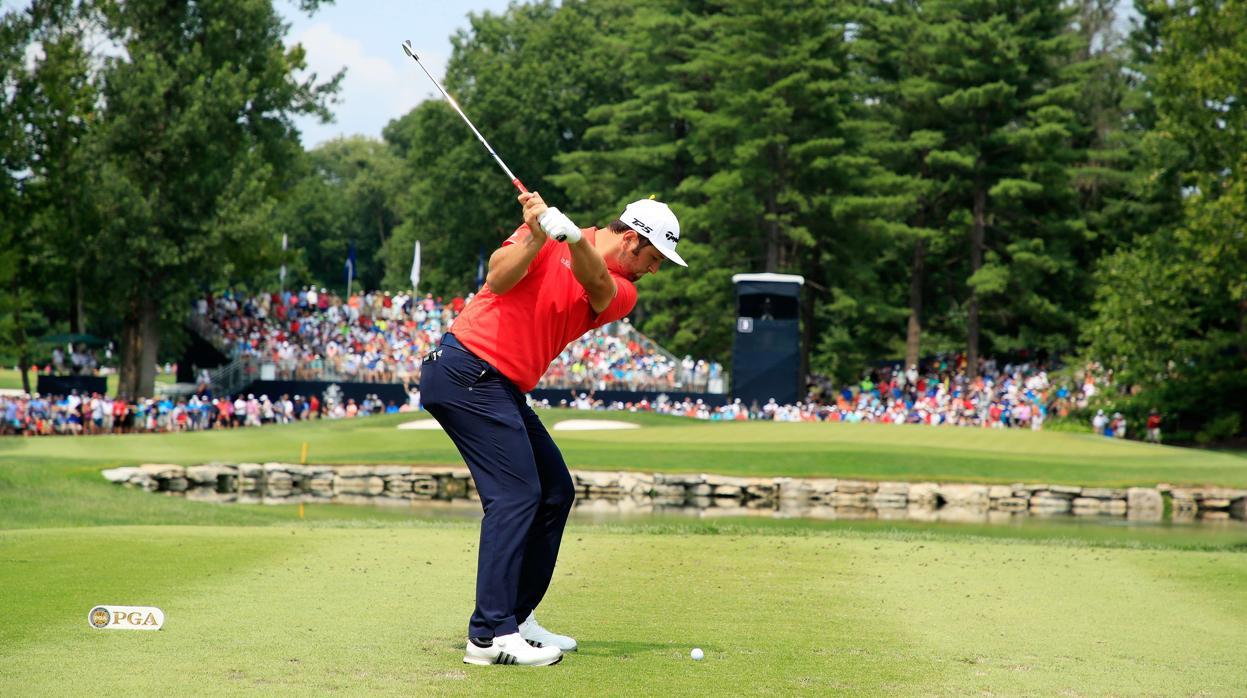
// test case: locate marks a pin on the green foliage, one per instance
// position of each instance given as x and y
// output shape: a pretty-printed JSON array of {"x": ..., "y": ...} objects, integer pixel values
[
  {"x": 1170, "y": 310},
  {"x": 946, "y": 174},
  {"x": 344, "y": 191}
]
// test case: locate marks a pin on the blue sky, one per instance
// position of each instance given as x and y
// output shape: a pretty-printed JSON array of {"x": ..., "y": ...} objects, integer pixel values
[{"x": 363, "y": 36}]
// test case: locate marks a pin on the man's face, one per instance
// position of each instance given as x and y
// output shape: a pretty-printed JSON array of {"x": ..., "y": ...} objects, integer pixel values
[{"x": 637, "y": 261}]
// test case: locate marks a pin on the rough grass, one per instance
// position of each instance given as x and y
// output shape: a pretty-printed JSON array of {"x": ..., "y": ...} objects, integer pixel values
[{"x": 673, "y": 444}]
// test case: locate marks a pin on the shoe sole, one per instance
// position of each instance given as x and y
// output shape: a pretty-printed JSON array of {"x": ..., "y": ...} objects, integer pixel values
[
  {"x": 480, "y": 661},
  {"x": 534, "y": 643}
]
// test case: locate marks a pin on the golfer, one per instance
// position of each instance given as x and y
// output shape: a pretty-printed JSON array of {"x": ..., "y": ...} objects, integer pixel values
[{"x": 539, "y": 296}]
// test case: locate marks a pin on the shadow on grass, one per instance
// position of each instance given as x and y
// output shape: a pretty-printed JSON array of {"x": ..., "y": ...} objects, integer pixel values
[
  {"x": 623, "y": 649},
  {"x": 610, "y": 648}
]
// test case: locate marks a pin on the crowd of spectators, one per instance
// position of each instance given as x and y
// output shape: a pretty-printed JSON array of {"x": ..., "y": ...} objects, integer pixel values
[
  {"x": 315, "y": 335},
  {"x": 80, "y": 360},
  {"x": 1012, "y": 395},
  {"x": 74, "y": 414},
  {"x": 312, "y": 334},
  {"x": 380, "y": 337},
  {"x": 1009, "y": 395}
]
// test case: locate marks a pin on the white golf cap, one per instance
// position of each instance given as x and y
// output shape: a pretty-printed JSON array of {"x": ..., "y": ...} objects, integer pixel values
[{"x": 657, "y": 223}]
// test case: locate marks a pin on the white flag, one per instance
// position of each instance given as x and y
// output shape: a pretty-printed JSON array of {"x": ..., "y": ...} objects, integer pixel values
[{"x": 415, "y": 269}]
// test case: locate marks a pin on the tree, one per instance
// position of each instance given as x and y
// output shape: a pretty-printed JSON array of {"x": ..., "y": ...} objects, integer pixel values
[
  {"x": 750, "y": 139},
  {"x": 14, "y": 159},
  {"x": 1171, "y": 311},
  {"x": 193, "y": 139},
  {"x": 61, "y": 109},
  {"x": 344, "y": 191},
  {"x": 990, "y": 87}
]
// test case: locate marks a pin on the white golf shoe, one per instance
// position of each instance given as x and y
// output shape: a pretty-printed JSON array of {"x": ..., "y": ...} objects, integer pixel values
[
  {"x": 511, "y": 649},
  {"x": 530, "y": 630}
]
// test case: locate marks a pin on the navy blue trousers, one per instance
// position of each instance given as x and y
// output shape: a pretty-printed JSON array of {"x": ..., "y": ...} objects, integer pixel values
[{"x": 525, "y": 488}]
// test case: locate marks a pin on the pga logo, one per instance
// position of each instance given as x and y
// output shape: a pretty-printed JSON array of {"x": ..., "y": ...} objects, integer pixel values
[{"x": 126, "y": 618}]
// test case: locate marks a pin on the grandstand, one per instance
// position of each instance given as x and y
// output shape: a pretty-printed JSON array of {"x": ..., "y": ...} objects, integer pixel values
[{"x": 375, "y": 337}]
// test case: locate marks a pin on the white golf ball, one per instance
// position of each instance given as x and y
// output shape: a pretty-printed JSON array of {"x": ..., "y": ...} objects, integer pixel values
[{"x": 697, "y": 653}]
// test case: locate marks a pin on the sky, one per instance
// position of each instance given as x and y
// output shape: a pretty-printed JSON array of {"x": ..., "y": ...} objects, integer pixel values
[{"x": 363, "y": 36}]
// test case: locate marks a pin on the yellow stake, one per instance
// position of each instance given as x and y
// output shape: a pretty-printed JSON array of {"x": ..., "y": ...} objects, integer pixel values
[
  {"x": 300, "y": 510},
  {"x": 303, "y": 455}
]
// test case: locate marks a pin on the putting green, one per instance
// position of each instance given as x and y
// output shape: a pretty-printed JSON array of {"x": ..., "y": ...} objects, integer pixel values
[
  {"x": 674, "y": 444},
  {"x": 305, "y": 610}
]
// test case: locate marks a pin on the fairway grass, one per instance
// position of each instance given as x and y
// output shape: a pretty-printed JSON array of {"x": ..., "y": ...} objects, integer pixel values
[
  {"x": 330, "y": 599},
  {"x": 308, "y": 610}
]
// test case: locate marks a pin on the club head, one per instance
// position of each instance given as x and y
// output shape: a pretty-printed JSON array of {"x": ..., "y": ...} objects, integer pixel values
[{"x": 407, "y": 49}]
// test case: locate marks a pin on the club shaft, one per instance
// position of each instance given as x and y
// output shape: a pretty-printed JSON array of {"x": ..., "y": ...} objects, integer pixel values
[{"x": 514, "y": 180}]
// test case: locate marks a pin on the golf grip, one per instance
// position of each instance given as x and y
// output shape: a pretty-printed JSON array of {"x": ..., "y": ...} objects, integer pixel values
[{"x": 519, "y": 185}]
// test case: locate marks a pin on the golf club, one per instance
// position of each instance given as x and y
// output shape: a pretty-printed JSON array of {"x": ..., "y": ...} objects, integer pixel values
[
  {"x": 514, "y": 180},
  {"x": 553, "y": 221}
]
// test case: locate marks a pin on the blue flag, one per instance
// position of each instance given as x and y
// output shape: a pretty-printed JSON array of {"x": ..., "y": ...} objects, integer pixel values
[{"x": 480, "y": 267}]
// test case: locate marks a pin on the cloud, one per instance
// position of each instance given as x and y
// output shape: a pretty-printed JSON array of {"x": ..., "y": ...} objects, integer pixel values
[{"x": 381, "y": 83}]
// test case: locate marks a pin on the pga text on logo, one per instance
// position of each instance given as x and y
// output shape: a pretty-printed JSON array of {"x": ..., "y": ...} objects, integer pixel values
[{"x": 126, "y": 618}]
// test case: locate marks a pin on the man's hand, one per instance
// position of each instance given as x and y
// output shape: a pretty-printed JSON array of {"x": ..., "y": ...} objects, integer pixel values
[
  {"x": 548, "y": 220},
  {"x": 559, "y": 226},
  {"x": 534, "y": 206}
]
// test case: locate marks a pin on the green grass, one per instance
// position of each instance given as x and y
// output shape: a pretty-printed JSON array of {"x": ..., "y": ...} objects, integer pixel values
[
  {"x": 362, "y": 600},
  {"x": 307, "y": 610},
  {"x": 11, "y": 379},
  {"x": 673, "y": 444}
]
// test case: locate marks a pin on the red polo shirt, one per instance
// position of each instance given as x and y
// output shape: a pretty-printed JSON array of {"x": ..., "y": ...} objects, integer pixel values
[{"x": 521, "y": 331}]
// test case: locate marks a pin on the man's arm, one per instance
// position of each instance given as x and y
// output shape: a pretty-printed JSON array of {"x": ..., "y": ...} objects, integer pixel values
[
  {"x": 590, "y": 270},
  {"x": 587, "y": 264},
  {"x": 509, "y": 263}
]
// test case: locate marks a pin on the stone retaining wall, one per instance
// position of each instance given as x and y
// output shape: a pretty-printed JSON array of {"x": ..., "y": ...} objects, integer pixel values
[{"x": 282, "y": 483}]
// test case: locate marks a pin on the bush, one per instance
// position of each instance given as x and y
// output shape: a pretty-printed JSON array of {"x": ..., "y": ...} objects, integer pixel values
[{"x": 1220, "y": 428}]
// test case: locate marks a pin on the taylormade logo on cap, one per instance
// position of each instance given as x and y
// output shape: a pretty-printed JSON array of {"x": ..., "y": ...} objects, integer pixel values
[{"x": 657, "y": 223}]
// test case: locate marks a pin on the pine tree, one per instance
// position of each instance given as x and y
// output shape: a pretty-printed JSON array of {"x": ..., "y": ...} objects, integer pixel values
[{"x": 992, "y": 90}]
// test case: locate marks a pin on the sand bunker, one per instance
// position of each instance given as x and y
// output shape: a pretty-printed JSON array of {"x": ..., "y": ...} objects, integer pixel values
[
  {"x": 422, "y": 424},
  {"x": 592, "y": 425}
]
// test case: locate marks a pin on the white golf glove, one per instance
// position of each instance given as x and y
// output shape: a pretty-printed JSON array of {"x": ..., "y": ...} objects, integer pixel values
[{"x": 559, "y": 226}]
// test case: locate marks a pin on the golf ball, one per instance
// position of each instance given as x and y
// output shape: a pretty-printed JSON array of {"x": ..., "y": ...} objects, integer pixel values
[{"x": 697, "y": 653}]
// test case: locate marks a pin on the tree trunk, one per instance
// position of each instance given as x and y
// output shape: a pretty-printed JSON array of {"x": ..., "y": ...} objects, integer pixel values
[
  {"x": 140, "y": 338},
  {"x": 150, "y": 326},
  {"x": 917, "y": 275},
  {"x": 127, "y": 380},
  {"x": 773, "y": 252},
  {"x": 976, "y": 262},
  {"x": 77, "y": 313}
]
